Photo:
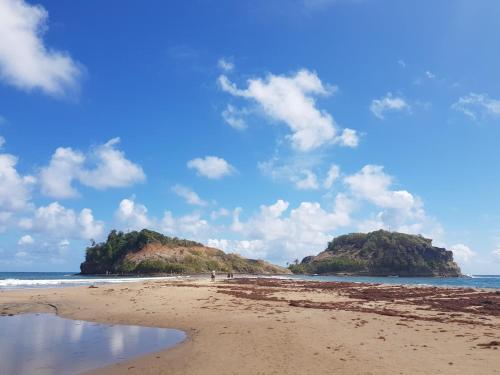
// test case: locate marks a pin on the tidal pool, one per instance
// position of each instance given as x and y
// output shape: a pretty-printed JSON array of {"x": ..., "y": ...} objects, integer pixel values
[{"x": 47, "y": 344}]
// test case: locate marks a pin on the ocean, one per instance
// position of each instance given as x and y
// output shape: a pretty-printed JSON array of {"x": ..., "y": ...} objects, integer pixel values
[
  {"x": 473, "y": 281},
  {"x": 23, "y": 280}
]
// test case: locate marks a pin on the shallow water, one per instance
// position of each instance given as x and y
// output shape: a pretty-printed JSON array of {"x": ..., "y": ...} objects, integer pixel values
[
  {"x": 47, "y": 344},
  {"x": 476, "y": 281}
]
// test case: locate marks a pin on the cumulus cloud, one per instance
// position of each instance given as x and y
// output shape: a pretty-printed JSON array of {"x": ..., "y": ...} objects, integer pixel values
[
  {"x": 309, "y": 181},
  {"x": 26, "y": 240},
  {"x": 221, "y": 212},
  {"x": 291, "y": 100},
  {"x": 211, "y": 167},
  {"x": 250, "y": 249},
  {"x": 191, "y": 225},
  {"x": 112, "y": 168},
  {"x": 225, "y": 65},
  {"x": 388, "y": 103},
  {"x": 25, "y": 61},
  {"x": 280, "y": 234},
  {"x": 132, "y": 215},
  {"x": 101, "y": 168},
  {"x": 332, "y": 175},
  {"x": 303, "y": 172},
  {"x": 400, "y": 209},
  {"x": 348, "y": 138},
  {"x": 296, "y": 171},
  {"x": 477, "y": 105},
  {"x": 462, "y": 253},
  {"x": 58, "y": 221},
  {"x": 234, "y": 117},
  {"x": 188, "y": 195},
  {"x": 56, "y": 179},
  {"x": 15, "y": 190}
]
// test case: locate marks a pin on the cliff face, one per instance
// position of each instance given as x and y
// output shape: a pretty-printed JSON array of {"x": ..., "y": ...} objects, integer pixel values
[
  {"x": 151, "y": 252},
  {"x": 381, "y": 253}
]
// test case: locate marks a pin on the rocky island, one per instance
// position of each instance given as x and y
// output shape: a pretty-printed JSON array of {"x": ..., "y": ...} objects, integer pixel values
[
  {"x": 148, "y": 252},
  {"x": 381, "y": 253}
]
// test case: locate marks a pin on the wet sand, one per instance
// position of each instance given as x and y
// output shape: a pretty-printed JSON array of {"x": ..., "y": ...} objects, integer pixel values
[{"x": 263, "y": 326}]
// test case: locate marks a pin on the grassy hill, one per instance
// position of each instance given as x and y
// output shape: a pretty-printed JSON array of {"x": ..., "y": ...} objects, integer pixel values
[
  {"x": 147, "y": 252},
  {"x": 381, "y": 253}
]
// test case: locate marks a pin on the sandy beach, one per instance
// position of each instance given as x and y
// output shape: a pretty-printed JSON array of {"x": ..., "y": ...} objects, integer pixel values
[{"x": 272, "y": 326}]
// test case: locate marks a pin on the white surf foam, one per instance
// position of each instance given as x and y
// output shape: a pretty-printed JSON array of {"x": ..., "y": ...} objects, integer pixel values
[{"x": 22, "y": 283}]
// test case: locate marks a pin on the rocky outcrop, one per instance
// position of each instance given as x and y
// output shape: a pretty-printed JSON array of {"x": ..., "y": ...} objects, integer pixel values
[
  {"x": 381, "y": 253},
  {"x": 147, "y": 252}
]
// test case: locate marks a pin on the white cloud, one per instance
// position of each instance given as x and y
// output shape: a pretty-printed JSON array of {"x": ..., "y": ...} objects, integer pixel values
[
  {"x": 301, "y": 170},
  {"x": 107, "y": 168},
  {"x": 15, "y": 190},
  {"x": 211, "y": 166},
  {"x": 308, "y": 182},
  {"x": 192, "y": 225},
  {"x": 402, "y": 63},
  {"x": 88, "y": 227},
  {"x": 462, "y": 253},
  {"x": 373, "y": 184},
  {"x": 234, "y": 117},
  {"x": 400, "y": 210},
  {"x": 221, "y": 212},
  {"x": 291, "y": 100},
  {"x": 250, "y": 249},
  {"x": 26, "y": 240},
  {"x": 58, "y": 221},
  {"x": 304, "y": 231},
  {"x": 476, "y": 105},
  {"x": 348, "y": 138},
  {"x": 225, "y": 65},
  {"x": 332, "y": 175},
  {"x": 112, "y": 168},
  {"x": 388, "y": 103},
  {"x": 188, "y": 195},
  {"x": 25, "y": 61},
  {"x": 133, "y": 216},
  {"x": 297, "y": 171},
  {"x": 56, "y": 179}
]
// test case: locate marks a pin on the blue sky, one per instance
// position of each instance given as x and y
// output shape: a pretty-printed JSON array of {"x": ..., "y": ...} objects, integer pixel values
[{"x": 264, "y": 127}]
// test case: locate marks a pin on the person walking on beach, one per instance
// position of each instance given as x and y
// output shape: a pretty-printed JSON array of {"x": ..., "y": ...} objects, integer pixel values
[{"x": 213, "y": 275}]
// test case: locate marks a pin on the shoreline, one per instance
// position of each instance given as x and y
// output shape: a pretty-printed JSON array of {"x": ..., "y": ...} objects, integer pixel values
[
  {"x": 250, "y": 326},
  {"x": 490, "y": 282}
]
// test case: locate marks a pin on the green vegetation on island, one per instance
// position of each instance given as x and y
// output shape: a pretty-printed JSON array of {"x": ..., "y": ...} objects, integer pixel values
[
  {"x": 147, "y": 252},
  {"x": 380, "y": 253}
]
